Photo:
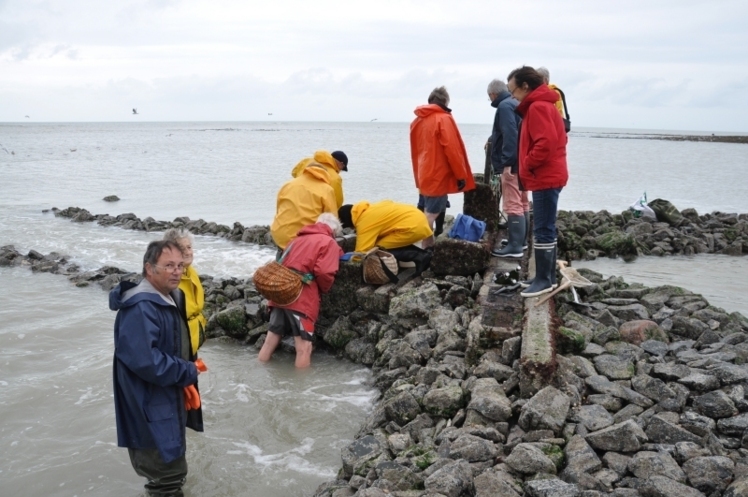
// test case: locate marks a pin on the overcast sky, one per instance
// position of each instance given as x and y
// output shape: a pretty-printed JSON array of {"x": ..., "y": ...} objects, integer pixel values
[{"x": 658, "y": 64}]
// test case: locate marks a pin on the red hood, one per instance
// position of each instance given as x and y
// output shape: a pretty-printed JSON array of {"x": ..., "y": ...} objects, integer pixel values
[
  {"x": 540, "y": 94},
  {"x": 316, "y": 229},
  {"x": 427, "y": 110}
]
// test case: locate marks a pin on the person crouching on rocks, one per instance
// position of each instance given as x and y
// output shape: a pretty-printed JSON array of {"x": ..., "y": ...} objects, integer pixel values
[
  {"x": 313, "y": 251},
  {"x": 392, "y": 226},
  {"x": 190, "y": 284}
]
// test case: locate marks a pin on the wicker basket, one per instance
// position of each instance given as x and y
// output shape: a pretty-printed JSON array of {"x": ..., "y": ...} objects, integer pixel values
[
  {"x": 278, "y": 283},
  {"x": 377, "y": 264}
]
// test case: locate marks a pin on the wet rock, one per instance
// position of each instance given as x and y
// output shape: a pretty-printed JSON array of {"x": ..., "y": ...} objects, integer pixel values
[
  {"x": 375, "y": 299},
  {"x": 340, "y": 333},
  {"x": 593, "y": 417},
  {"x": 402, "y": 478},
  {"x": 631, "y": 312},
  {"x": 452, "y": 480},
  {"x": 622, "y": 437},
  {"x": 547, "y": 409},
  {"x": 661, "y": 486},
  {"x": 528, "y": 458},
  {"x": 645, "y": 464},
  {"x": 715, "y": 404},
  {"x": 444, "y": 402},
  {"x": 736, "y": 425},
  {"x": 489, "y": 400},
  {"x": 700, "y": 382},
  {"x": 551, "y": 488},
  {"x": 688, "y": 327},
  {"x": 660, "y": 430},
  {"x": 412, "y": 308},
  {"x": 111, "y": 198},
  {"x": 473, "y": 449},
  {"x": 402, "y": 408},
  {"x": 614, "y": 367},
  {"x": 232, "y": 320},
  {"x": 639, "y": 331},
  {"x": 709, "y": 474},
  {"x": 459, "y": 257},
  {"x": 492, "y": 483},
  {"x": 358, "y": 457},
  {"x": 697, "y": 424}
]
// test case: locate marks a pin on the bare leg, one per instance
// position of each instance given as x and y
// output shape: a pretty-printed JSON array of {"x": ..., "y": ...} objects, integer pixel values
[
  {"x": 303, "y": 352},
  {"x": 428, "y": 242},
  {"x": 271, "y": 343}
]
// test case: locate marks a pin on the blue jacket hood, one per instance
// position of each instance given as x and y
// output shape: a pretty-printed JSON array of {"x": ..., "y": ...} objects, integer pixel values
[{"x": 118, "y": 301}]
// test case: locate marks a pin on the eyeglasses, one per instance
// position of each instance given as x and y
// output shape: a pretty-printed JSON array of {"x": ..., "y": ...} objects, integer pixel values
[{"x": 170, "y": 268}]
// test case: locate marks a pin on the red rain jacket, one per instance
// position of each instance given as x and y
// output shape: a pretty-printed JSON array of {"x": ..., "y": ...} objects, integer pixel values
[
  {"x": 438, "y": 153},
  {"x": 542, "y": 142},
  {"x": 314, "y": 250}
]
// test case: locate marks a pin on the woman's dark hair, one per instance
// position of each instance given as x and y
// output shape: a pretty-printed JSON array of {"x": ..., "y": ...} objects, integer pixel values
[
  {"x": 344, "y": 214},
  {"x": 526, "y": 74}
]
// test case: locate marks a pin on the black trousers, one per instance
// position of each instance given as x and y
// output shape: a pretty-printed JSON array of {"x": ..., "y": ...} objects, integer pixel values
[{"x": 163, "y": 479}]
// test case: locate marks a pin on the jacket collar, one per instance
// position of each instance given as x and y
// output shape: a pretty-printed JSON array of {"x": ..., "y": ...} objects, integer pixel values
[{"x": 503, "y": 95}]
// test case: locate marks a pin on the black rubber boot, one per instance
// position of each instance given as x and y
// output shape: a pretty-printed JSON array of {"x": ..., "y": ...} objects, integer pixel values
[
  {"x": 516, "y": 231},
  {"x": 543, "y": 270},
  {"x": 554, "y": 284},
  {"x": 527, "y": 230},
  {"x": 439, "y": 224}
]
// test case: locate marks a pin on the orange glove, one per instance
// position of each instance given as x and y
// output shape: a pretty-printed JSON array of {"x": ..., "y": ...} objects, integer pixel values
[
  {"x": 200, "y": 365},
  {"x": 191, "y": 398}
]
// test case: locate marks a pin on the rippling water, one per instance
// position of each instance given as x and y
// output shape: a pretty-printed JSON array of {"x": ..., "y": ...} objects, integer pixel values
[{"x": 270, "y": 431}]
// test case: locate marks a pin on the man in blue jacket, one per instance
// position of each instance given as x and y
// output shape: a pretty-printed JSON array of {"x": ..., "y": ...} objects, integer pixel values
[
  {"x": 504, "y": 161},
  {"x": 153, "y": 371}
]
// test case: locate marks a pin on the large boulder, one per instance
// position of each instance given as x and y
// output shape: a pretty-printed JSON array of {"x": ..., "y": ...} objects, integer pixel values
[
  {"x": 459, "y": 257},
  {"x": 444, "y": 402},
  {"x": 622, "y": 437},
  {"x": 645, "y": 464},
  {"x": 528, "y": 458},
  {"x": 546, "y": 410},
  {"x": 359, "y": 456},
  {"x": 489, "y": 400},
  {"x": 709, "y": 474},
  {"x": 412, "y": 308},
  {"x": 452, "y": 480}
]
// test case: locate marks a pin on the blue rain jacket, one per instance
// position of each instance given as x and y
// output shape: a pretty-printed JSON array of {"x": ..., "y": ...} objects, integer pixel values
[
  {"x": 149, "y": 374},
  {"x": 505, "y": 133}
]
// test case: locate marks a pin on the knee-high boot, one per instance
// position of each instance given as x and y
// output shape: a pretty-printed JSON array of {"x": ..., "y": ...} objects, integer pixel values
[{"x": 544, "y": 270}]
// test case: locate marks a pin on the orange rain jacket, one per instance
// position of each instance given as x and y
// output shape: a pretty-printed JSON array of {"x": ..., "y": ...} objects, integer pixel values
[{"x": 438, "y": 153}]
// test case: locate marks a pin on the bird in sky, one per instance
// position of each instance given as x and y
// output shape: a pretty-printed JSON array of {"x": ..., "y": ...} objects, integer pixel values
[
  {"x": 27, "y": 117},
  {"x": 135, "y": 112},
  {"x": 373, "y": 120},
  {"x": 270, "y": 113}
]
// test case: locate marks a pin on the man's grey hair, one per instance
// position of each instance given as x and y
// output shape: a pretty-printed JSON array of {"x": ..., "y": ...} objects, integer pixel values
[
  {"x": 154, "y": 251},
  {"x": 439, "y": 96},
  {"x": 332, "y": 221},
  {"x": 177, "y": 234},
  {"x": 543, "y": 71},
  {"x": 496, "y": 86}
]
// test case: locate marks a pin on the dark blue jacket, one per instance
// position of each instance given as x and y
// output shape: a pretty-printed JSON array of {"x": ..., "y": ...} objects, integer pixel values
[
  {"x": 504, "y": 137},
  {"x": 149, "y": 374}
]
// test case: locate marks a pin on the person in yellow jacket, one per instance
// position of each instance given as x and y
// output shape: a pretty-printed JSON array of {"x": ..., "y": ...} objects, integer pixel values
[
  {"x": 333, "y": 164},
  {"x": 385, "y": 224},
  {"x": 301, "y": 201},
  {"x": 190, "y": 284},
  {"x": 547, "y": 80}
]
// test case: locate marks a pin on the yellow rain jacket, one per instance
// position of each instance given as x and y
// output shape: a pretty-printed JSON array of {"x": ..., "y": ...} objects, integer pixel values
[
  {"x": 300, "y": 202},
  {"x": 388, "y": 225},
  {"x": 194, "y": 298},
  {"x": 328, "y": 162},
  {"x": 559, "y": 103}
]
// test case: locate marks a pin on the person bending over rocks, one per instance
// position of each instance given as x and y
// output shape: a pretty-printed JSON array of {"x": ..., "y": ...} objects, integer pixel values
[
  {"x": 392, "y": 226},
  {"x": 301, "y": 201},
  {"x": 316, "y": 252},
  {"x": 191, "y": 286},
  {"x": 333, "y": 164}
]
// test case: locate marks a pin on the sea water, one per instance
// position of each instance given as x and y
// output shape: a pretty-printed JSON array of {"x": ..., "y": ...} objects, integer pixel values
[{"x": 270, "y": 430}]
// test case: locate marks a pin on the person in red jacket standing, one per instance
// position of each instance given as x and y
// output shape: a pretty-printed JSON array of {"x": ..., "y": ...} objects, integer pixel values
[
  {"x": 314, "y": 251},
  {"x": 440, "y": 162},
  {"x": 542, "y": 167}
]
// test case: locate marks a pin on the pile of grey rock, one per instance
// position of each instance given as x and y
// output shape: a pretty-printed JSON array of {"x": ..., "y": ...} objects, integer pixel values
[
  {"x": 259, "y": 235},
  {"x": 587, "y": 235}
]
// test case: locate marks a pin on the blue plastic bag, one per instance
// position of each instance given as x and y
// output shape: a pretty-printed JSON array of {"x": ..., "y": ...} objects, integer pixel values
[{"x": 467, "y": 228}]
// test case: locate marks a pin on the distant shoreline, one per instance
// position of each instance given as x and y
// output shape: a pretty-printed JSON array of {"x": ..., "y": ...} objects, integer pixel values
[{"x": 681, "y": 138}]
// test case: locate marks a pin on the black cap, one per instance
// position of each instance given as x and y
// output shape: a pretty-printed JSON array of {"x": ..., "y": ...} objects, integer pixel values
[
  {"x": 341, "y": 157},
  {"x": 344, "y": 214}
]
